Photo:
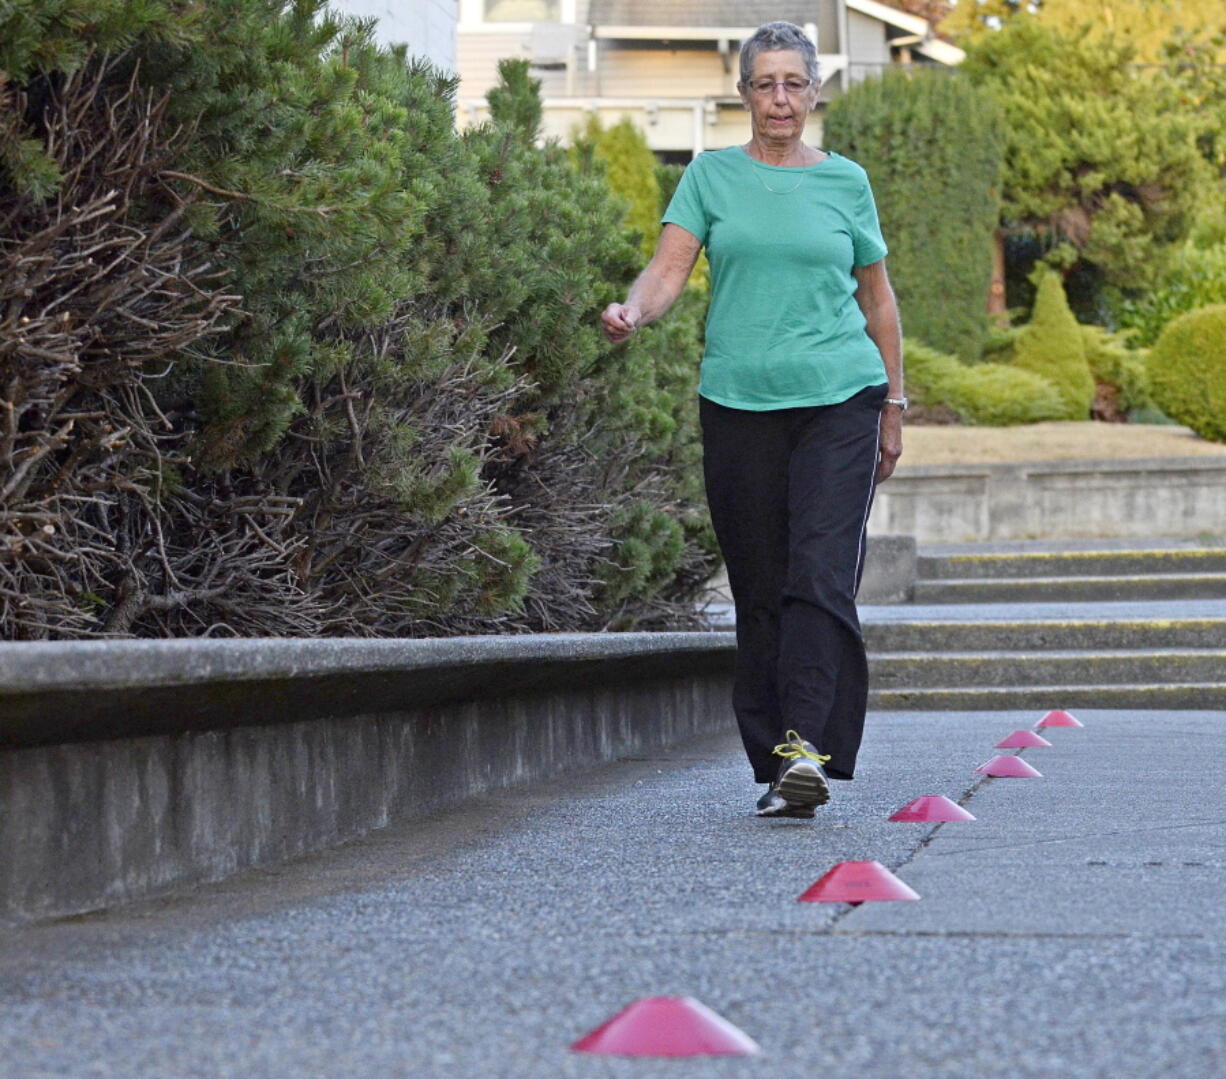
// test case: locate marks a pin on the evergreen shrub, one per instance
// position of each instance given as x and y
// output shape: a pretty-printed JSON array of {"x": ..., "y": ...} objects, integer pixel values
[
  {"x": 1196, "y": 277},
  {"x": 933, "y": 148},
  {"x": 1101, "y": 163},
  {"x": 1119, "y": 373},
  {"x": 999, "y": 344},
  {"x": 1051, "y": 345},
  {"x": 630, "y": 168},
  {"x": 343, "y": 373},
  {"x": 986, "y": 394},
  {"x": 1187, "y": 371}
]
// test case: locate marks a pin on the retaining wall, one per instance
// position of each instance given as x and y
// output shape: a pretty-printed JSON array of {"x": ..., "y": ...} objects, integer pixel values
[
  {"x": 1183, "y": 496},
  {"x": 132, "y": 768}
]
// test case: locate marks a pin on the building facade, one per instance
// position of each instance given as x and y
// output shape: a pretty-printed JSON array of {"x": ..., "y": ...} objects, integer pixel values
[
  {"x": 427, "y": 27},
  {"x": 671, "y": 65}
]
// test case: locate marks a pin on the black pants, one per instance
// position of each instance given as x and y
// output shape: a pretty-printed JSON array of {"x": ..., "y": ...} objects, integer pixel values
[{"x": 789, "y": 491}]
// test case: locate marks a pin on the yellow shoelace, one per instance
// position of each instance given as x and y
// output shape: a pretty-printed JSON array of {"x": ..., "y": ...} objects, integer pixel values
[{"x": 795, "y": 747}]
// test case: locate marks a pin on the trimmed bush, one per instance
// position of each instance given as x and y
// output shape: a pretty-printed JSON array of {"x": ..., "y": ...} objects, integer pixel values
[
  {"x": 1050, "y": 345},
  {"x": 1187, "y": 371},
  {"x": 999, "y": 344},
  {"x": 933, "y": 146},
  {"x": 986, "y": 394},
  {"x": 1122, "y": 385}
]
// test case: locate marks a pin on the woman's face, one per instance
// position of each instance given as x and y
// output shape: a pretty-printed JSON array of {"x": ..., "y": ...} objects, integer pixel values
[{"x": 779, "y": 116}]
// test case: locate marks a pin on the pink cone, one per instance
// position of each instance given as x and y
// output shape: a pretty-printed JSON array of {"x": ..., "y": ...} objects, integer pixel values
[
  {"x": 1022, "y": 740},
  {"x": 1009, "y": 766},
  {"x": 1059, "y": 719},
  {"x": 667, "y": 1027},
  {"x": 932, "y": 807},
  {"x": 855, "y": 883}
]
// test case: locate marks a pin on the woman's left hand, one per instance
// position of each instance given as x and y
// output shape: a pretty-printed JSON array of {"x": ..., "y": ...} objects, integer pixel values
[{"x": 890, "y": 441}]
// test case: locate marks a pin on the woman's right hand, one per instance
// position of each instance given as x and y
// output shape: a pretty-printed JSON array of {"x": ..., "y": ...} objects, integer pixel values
[{"x": 619, "y": 321}]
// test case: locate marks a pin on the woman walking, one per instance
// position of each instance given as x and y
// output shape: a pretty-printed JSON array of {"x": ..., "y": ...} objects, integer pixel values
[{"x": 801, "y": 401}]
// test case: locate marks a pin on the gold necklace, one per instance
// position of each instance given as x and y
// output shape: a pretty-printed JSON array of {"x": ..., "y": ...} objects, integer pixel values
[
  {"x": 771, "y": 189},
  {"x": 758, "y": 164}
]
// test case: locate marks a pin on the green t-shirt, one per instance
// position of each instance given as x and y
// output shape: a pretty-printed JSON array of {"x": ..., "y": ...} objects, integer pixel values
[{"x": 783, "y": 329}]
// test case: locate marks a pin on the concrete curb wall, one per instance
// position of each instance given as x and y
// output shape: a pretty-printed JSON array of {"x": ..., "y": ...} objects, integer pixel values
[
  {"x": 1183, "y": 496},
  {"x": 131, "y": 768}
]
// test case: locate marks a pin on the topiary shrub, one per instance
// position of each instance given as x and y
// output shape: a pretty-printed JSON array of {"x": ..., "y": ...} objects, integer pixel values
[
  {"x": 1050, "y": 345},
  {"x": 1187, "y": 371},
  {"x": 987, "y": 394},
  {"x": 1121, "y": 383}
]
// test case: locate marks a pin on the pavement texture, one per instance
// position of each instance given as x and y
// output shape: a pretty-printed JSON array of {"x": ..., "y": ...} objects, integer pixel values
[{"x": 1075, "y": 928}]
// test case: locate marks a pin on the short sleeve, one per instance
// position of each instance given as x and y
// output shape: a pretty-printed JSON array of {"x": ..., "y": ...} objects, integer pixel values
[
  {"x": 867, "y": 241},
  {"x": 686, "y": 208}
]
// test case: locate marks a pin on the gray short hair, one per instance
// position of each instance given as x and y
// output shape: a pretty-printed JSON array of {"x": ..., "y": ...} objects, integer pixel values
[{"x": 773, "y": 36}]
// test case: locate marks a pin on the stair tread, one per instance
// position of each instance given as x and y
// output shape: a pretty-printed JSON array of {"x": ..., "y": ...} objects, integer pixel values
[
  {"x": 1060, "y": 622},
  {"x": 1156, "y": 554},
  {"x": 934, "y": 554},
  {"x": 1116, "y": 545},
  {"x": 1069, "y": 580},
  {"x": 1063, "y": 687},
  {"x": 1053, "y": 653},
  {"x": 1046, "y": 611},
  {"x": 1147, "y": 622}
]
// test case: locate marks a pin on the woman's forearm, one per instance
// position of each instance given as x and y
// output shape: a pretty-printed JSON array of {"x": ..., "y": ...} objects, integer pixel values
[
  {"x": 885, "y": 329},
  {"x": 653, "y": 294},
  {"x": 659, "y": 285}
]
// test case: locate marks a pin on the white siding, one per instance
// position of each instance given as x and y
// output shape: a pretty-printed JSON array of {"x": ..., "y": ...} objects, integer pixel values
[
  {"x": 477, "y": 57},
  {"x": 627, "y": 72},
  {"x": 870, "y": 53},
  {"x": 428, "y": 27}
]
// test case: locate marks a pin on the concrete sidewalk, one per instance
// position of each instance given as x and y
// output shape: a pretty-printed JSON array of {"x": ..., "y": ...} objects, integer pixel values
[{"x": 1076, "y": 928}]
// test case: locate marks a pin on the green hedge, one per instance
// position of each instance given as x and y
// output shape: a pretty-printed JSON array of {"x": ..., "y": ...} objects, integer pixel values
[
  {"x": 1050, "y": 345},
  {"x": 1187, "y": 371},
  {"x": 987, "y": 394},
  {"x": 932, "y": 145}
]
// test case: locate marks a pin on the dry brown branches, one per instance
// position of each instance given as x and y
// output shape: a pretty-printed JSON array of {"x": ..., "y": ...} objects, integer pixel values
[{"x": 103, "y": 296}]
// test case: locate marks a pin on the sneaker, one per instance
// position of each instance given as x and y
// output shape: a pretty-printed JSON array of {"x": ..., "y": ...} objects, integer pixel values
[
  {"x": 801, "y": 782},
  {"x": 773, "y": 804}
]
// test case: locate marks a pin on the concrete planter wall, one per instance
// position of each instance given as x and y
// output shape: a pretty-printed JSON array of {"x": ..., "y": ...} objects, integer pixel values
[
  {"x": 1060, "y": 500},
  {"x": 131, "y": 768}
]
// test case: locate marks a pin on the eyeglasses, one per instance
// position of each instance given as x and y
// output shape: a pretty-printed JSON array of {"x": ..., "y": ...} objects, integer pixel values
[{"x": 763, "y": 87}]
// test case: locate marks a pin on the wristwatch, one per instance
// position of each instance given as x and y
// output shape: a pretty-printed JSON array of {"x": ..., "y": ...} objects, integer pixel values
[{"x": 901, "y": 402}]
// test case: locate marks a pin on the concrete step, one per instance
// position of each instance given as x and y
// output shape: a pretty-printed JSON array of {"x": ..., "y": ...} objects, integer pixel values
[
  {"x": 1033, "y": 634},
  {"x": 1036, "y": 634},
  {"x": 1200, "y": 695},
  {"x": 918, "y": 670},
  {"x": 994, "y": 565},
  {"x": 1072, "y": 589}
]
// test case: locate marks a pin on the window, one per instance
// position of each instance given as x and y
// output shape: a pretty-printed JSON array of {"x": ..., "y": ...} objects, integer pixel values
[{"x": 522, "y": 10}]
